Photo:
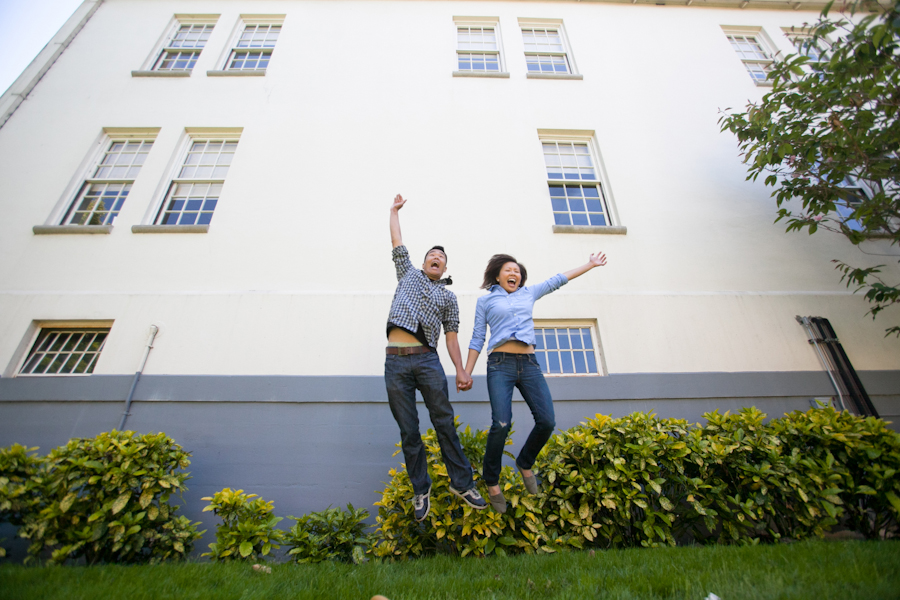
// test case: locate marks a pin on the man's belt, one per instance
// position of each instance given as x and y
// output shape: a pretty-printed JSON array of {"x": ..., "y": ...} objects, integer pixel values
[{"x": 406, "y": 350}]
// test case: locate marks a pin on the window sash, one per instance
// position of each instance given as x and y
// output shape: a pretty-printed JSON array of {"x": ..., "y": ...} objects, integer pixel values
[
  {"x": 65, "y": 351},
  {"x": 566, "y": 350},
  {"x": 191, "y": 35},
  {"x": 249, "y": 60},
  {"x": 194, "y": 192},
  {"x": 259, "y": 36},
  {"x": 190, "y": 202},
  {"x": 101, "y": 196},
  {"x": 488, "y": 62},
  {"x": 97, "y": 203},
  {"x": 176, "y": 60},
  {"x": 748, "y": 47},
  {"x": 576, "y": 193},
  {"x": 547, "y": 63},
  {"x": 482, "y": 39},
  {"x": 543, "y": 40}
]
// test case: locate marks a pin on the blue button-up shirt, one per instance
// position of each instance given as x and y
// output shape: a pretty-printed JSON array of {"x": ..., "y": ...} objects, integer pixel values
[{"x": 509, "y": 315}]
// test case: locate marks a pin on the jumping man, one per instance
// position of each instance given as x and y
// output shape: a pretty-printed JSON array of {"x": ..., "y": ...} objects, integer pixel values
[{"x": 421, "y": 305}]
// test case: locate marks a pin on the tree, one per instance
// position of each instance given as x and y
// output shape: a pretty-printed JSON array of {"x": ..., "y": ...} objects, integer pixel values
[{"x": 827, "y": 136}]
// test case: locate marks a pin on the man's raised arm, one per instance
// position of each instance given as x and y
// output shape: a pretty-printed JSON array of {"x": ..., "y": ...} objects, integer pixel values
[{"x": 396, "y": 238}]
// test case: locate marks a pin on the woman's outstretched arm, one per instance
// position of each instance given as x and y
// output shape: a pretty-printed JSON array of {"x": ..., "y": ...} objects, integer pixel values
[{"x": 596, "y": 260}]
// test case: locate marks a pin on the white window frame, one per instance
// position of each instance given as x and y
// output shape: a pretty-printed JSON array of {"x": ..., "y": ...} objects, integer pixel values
[
  {"x": 150, "y": 66},
  {"x": 798, "y": 35},
  {"x": 84, "y": 176},
  {"x": 768, "y": 48},
  {"x": 613, "y": 224},
  {"x": 482, "y": 22},
  {"x": 590, "y": 324},
  {"x": 555, "y": 25},
  {"x": 27, "y": 346},
  {"x": 243, "y": 22},
  {"x": 152, "y": 222}
]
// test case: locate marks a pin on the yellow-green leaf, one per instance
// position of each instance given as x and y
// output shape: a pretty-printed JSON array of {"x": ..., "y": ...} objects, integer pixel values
[
  {"x": 66, "y": 502},
  {"x": 120, "y": 502}
]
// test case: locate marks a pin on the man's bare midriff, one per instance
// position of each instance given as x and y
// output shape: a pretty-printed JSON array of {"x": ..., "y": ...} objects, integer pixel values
[
  {"x": 396, "y": 334},
  {"x": 515, "y": 347}
]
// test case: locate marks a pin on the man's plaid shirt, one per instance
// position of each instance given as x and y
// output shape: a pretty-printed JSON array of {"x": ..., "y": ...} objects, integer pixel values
[{"x": 421, "y": 301}]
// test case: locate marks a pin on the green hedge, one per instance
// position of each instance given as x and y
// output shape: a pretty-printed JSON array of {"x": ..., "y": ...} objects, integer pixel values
[
  {"x": 634, "y": 481},
  {"x": 645, "y": 481},
  {"x": 104, "y": 499}
]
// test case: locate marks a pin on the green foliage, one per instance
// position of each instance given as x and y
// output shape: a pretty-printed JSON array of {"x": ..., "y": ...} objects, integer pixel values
[
  {"x": 453, "y": 527},
  {"x": 248, "y": 528},
  {"x": 332, "y": 534},
  {"x": 829, "y": 120},
  {"x": 20, "y": 479},
  {"x": 857, "y": 462},
  {"x": 645, "y": 481},
  {"x": 106, "y": 499},
  {"x": 615, "y": 482},
  {"x": 745, "y": 485}
]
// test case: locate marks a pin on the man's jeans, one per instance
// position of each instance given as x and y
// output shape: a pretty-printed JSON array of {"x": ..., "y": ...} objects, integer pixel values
[
  {"x": 403, "y": 375},
  {"x": 506, "y": 371}
]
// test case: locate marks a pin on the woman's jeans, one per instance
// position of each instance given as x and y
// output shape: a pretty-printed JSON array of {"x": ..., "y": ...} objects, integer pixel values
[
  {"x": 403, "y": 375},
  {"x": 505, "y": 371}
]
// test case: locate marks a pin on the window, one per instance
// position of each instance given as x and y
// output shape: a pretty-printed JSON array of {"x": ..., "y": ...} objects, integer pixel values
[
  {"x": 754, "y": 50},
  {"x": 65, "y": 351},
  {"x": 566, "y": 350},
  {"x": 252, "y": 49},
  {"x": 546, "y": 49},
  {"x": 108, "y": 182},
  {"x": 805, "y": 45},
  {"x": 194, "y": 191},
  {"x": 478, "y": 47},
  {"x": 183, "y": 47},
  {"x": 576, "y": 195},
  {"x": 856, "y": 194}
]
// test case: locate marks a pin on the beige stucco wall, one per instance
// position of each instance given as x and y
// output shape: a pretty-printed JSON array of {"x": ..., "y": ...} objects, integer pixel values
[{"x": 358, "y": 104}]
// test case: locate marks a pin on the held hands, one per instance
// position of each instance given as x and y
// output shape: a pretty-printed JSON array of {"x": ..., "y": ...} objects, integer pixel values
[
  {"x": 463, "y": 381},
  {"x": 398, "y": 203}
]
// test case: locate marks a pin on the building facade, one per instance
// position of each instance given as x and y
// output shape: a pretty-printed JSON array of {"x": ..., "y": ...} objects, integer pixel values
[{"x": 219, "y": 173}]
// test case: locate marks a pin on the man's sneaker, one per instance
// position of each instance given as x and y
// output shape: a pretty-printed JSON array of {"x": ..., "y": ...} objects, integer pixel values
[
  {"x": 470, "y": 497},
  {"x": 422, "y": 504}
]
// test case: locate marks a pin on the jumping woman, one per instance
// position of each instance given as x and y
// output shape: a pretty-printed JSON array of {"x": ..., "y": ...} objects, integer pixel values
[{"x": 506, "y": 309}]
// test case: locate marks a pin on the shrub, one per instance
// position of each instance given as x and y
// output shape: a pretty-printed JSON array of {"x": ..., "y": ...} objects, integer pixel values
[
  {"x": 614, "y": 482},
  {"x": 332, "y": 534},
  {"x": 248, "y": 526},
  {"x": 747, "y": 486},
  {"x": 453, "y": 527},
  {"x": 20, "y": 479},
  {"x": 106, "y": 499},
  {"x": 856, "y": 463}
]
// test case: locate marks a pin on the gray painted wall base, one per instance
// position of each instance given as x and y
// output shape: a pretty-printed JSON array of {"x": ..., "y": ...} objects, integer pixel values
[{"x": 306, "y": 444}]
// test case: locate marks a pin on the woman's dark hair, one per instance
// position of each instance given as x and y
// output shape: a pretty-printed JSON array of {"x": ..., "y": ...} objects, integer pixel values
[{"x": 492, "y": 272}]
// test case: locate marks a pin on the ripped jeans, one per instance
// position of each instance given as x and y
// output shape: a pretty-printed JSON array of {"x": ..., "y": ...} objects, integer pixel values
[{"x": 506, "y": 371}]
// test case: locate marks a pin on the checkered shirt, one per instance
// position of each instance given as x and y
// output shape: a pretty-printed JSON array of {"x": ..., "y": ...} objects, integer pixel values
[{"x": 421, "y": 301}]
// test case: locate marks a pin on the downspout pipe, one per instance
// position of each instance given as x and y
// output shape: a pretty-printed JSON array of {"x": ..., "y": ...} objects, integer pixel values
[{"x": 153, "y": 331}]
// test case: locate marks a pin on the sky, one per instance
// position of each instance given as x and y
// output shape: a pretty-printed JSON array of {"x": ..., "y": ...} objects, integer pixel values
[{"x": 25, "y": 28}]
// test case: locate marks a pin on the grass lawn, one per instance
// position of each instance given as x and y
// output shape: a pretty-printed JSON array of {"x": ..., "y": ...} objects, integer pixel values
[{"x": 814, "y": 570}]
